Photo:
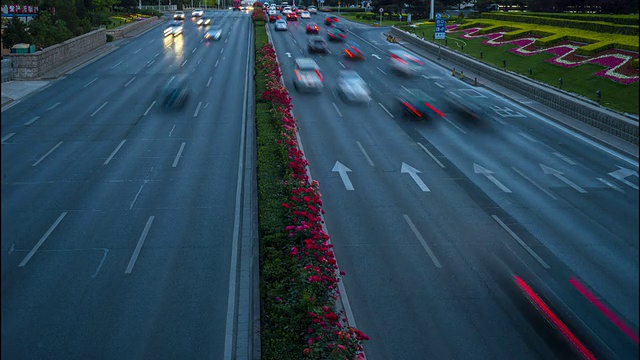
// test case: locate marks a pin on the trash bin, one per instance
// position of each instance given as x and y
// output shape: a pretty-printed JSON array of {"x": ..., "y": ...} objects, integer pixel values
[{"x": 23, "y": 49}]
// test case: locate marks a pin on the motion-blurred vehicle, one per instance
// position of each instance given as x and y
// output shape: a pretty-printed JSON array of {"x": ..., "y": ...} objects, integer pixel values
[
  {"x": 307, "y": 77},
  {"x": 312, "y": 28},
  {"x": 174, "y": 29},
  {"x": 175, "y": 94},
  {"x": 329, "y": 20},
  {"x": 417, "y": 104},
  {"x": 336, "y": 35},
  {"x": 317, "y": 45},
  {"x": 338, "y": 25},
  {"x": 465, "y": 103},
  {"x": 405, "y": 63},
  {"x": 273, "y": 16},
  {"x": 292, "y": 16},
  {"x": 203, "y": 21},
  {"x": 352, "y": 88},
  {"x": 237, "y": 6},
  {"x": 305, "y": 15},
  {"x": 312, "y": 10},
  {"x": 197, "y": 12},
  {"x": 178, "y": 15},
  {"x": 281, "y": 25},
  {"x": 285, "y": 10},
  {"x": 214, "y": 33},
  {"x": 352, "y": 51}
]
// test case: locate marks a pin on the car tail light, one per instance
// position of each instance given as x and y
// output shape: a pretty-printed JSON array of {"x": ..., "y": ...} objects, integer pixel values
[
  {"x": 342, "y": 36},
  {"x": 348, "y": 52},
  {"x": 398, "y": 59},
  {"x": 297, "y": 74},
  {"x": 434, "y": 109},
  {"x": 412, "y": 109},
  {"x": 320, "y": 76}
]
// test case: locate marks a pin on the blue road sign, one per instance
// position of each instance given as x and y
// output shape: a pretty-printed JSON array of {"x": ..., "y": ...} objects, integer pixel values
[{"x": 440, "y": 28}]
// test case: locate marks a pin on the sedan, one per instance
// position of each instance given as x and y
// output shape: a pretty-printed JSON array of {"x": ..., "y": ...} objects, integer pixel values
[
  {"x": 204, "y": 21},
  {"x": 352, "y": 51},
  {"x": 281, "y": 25},
  {"x": 405, "y": 63},
  {"x": 312, "y": 28},
  {"x": 352, "y": 88},
  {"x": 179, "y": 15},
  {"x": 174, "y": 29},
  {"x": 197, "y": 12},
  {"x": 336, "y": 35},
  {"x": 312, "y": 10},
  {"x": 273, "y": 16},
  {"x": 417, "y": 104},
  {"x": 330, "y": 20},
  {"x": 317, "y": 45},
  {"x": 307, "y": 76},
  {"x": 305, "y": 15},
  {"x": 292, "y": 16},
  {"x": 176, "y": 93},
  {"x": 214, "y": 33}
]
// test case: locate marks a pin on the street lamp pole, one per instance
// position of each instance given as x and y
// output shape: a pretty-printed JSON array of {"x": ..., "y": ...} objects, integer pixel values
[{"x": 431, "y": 10}]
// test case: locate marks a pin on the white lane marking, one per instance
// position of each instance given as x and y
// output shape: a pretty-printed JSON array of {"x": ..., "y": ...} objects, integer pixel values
[
  {"x": 422, "y": 241},
  {"x": 454, "y": 94},
  {"x": 157, "y": 54},
  {"x": 136, "y": 252},
  {"x": 405, "y": 89},
  {"x": 559, "y": 175},
  {"x": 454, "y": 125},
  {"x": 194, "y": 50},
  {"x": 517, "y": 238},
  {"x": 7, "y": 137},
  {"x": 12, "y": 248},
  {"x": 197, "y": 109},
  {"x": 209, "y": 82},
  {"x": 184, "y": 62},
  {"x": 100, "y": 108},
  {"x": 565, "y": 158},
  {"x": 47, "y": 154},
  {"x": 221, "y": 50},
  {"x": 439, "y": 85},
  {"x": 149, "y": 108},
  {"x": 104, "y": 257},
  {"x": 150, "y": 63},
  {"x": 152, "y": 40},
  {"x": 137, "y": 51},
  {"x": 135, "y": 198},
  {"x": 90, "y": 82},
  {"x": 549, "y": 193},
  {"x": 129, "y": 82},
  {"x": 53, "y": 106},
  {"x": 365, "y": 153},
  {"x": 329, "y": 51},
  {"x": 431, "y": 155},
  {"x": 175, "y": 162},
  {"x": 335, "y": 107},
  {"x": 341, "y": 64},
  {"x": 216, "y": 65},
  {"x": 199, "y": 61},
  {"x": 527, "y": 136},
  {"x": 385, "y": 109},
  {"x": 614, "y": 187},
  {"x": 114, "y": 152},
  {"x": 42, "y": 240},
  {"x": 116, "y": 64},
  {"x": 225, "y": 40},
  {"x": 171, "y": 132},
  {"x": 382, "y": 71}
]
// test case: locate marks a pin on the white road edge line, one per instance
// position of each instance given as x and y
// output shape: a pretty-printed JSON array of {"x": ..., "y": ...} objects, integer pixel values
[
  {"x": 42, "y": 240},
  {"x": 7, "y": 137},
  {"x": 100, "y": 108},
  {"x": 550, "y": 194},
  {"x": 114, "y": 152},
  {"x": 175, "y": 162},
  {"x": 197, "y": 109},
  {"x": 422, "y": 241},
  {"x": 149, "y": 108},
  {"x": 365, "y": 154},
  {"x": 387, "y": 111},
  {"x": 337, "y": 110},
  {"x": 47, "y": 154},
  {"x": 136, "y": 252},
  {"x": 137, "y": 51},
  {"x": 431, "y": 155},
  {"x": 525, "y": 246}
]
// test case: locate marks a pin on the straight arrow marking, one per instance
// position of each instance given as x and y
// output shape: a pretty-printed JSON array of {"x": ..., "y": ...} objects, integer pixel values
[
  {"x": 407, "y": 169},
  {"x": 558, "y": 174},
  {"x": 342, "y": 171},
  {"x": 487, "y": 173}
]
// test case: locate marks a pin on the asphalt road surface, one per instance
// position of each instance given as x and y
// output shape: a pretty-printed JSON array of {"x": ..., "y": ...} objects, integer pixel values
[
  {"x": 120, "y": 219},
  {"x": 431, "y": 220}
]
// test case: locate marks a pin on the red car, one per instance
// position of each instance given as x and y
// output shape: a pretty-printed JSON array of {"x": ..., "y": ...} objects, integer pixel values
[
  {"x": 312, "y": 28},
  {"x": 292, "y": 16},
  {"x": 331, "y": 19},
  {"x": 274, "y": 17}
]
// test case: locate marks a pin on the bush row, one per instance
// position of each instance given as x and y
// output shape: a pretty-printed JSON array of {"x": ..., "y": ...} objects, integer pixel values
[
  {"x": 566, "y": 23},
  {"x": 522, "y": 33},
  {"x": 634, "y": 63},
  {"x": 614, "y": 19}
]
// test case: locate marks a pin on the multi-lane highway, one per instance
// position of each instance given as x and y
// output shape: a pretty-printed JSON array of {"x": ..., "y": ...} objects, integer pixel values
[
  {"x": 430, "y": 219},
  {"x": 122, "y": 222}
]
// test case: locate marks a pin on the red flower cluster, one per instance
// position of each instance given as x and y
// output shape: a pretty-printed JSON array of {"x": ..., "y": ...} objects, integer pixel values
[
  {"x": 258, "y": 14},
  {"x": 328, "y": 332}
]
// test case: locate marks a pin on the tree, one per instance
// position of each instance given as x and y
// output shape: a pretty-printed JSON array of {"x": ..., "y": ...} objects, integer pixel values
[
  {"x": 47, "y": 31},
  {"x": 16, "y": 33}
]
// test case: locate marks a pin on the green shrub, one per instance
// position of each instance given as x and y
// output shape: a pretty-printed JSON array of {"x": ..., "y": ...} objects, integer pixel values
[
  {"x": 110, "y": 38},
  {"x": 600, "y": 27},
  {"x": 634, "y": 63}
]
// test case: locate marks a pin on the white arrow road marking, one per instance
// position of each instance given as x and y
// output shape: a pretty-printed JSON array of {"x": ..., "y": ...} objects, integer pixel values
[
  {"x": 342, "y": 170},
  {"x": 376, "y": 56},
  {"x": 486, "y": 172},
  {"x": 288, "y": 54},
  {"x": 622, "y": 173},
  {"x": 558, "y": 174},
  {"x": 407, "y": 169}
]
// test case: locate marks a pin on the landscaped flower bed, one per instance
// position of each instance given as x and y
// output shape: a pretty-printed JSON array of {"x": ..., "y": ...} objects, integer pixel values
[{"x": 299, "y": 274}]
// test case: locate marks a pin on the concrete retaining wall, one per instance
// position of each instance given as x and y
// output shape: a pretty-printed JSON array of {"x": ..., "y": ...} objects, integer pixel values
[
  {"x": 6, "y": 70},
  {"x": 588, "y": 112}
]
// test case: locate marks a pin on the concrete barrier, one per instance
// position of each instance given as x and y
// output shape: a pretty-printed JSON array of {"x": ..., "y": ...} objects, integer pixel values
[
  {"x": 623, "y": 126},
  {"x": 6, "y": 70}
]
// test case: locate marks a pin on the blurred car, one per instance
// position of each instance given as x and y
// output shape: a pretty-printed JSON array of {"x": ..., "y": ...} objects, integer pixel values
[
  {"x": 352, "y": 51},
  {"x": 197, "y": 12},
  {"x": 338, "y": 25},
  {"x": 312, "y": 28},
  {"x": 305, "y": 15},
  {"x": 317, "y": 45},
  {"x": 281, "y": 25},
  {"x": 214, "y": 33},
  {"x": 312, "y": 10},
  {"x": 204, "y": 21},
  {"x": 292, "y": 16},
  {"x": 417, "y": 104},
  {"x": 273, "y": 16},
  {"x": 405, "y": 62},
  {"x": 175, "y": 94},
  {"x": 178, "y": 15},
  {"x": 174, "y": 29},
  {"x": 285, "y": 10},
  {"x": 307, "y": 76},
  {"x": 336, "y": 35},
  {"x": 352, "y": 88},
  {"x": 329, "y": 20},
  {"x": 466, "y": 104}
]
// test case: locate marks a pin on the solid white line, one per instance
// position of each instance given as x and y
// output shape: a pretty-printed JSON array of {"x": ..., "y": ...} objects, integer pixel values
[
  {"x": 114, "y": 152},
  {"x": 385, "y": 109},
  {"x": 454, "y": 125},
  {"x": 335, "y": 107},
  {"x": 48, "y": 152},
  {"x": 551, "y": 195},
  {"x": 365, "y": 153},
  {"x": 184, "y": 62},
  {"x": 197, "y": 109},
  {"x": 421, "y": 239},
  {"x": 565, "y": 158},
  {"x": 171, "y": 132},
  {"x": 90, "y": 82},
  {"x": 175, "y": 162},
  {"x": 116, "y": 64},
  {"x": 42, "y": 239},
  {"x": 100, "y": 108},
  {"x": 127, "y": 84},
  {"x": 7, "y": 137},
  {"x": 137, "y": 51},
  {"x": 517, "y": 238},
  {"x": 136, "y": 252},
  {"x": 209, "y": 82},
  {"x": 53, "y": 106},
  {"x": 430, "y": 154},
  {"x": 216, "y": 65},
  {"x": 527, "y": 136},
  {"x": 135, "y": 198},
  {"x": 149, "y": 108},
  {"x": 614, "y": 187},
  {"x": 438, "y": 85},
  {"x": 382, "y": 71}
]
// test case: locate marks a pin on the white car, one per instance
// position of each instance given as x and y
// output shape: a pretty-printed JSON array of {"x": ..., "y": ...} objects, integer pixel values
[
  {"x": 174, "y": 29},
  {"x": 312, "y": 10},
  {"x": 305, "y": 15},
  {"x": 281, "y": 25},
  {"x": 286, "y": 10},
  {"x": 179, "y": 15},
  {"x": 405, "y": 63},
  {"x": 352, "y": 88},
  {"x": 197, "y": 12}
]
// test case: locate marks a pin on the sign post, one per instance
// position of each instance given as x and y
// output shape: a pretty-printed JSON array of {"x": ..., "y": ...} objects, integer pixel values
[
  {"x": 339, "y": 3},
  {"x": 381, "y": 11},
  {"x": 440, "y": 30}
]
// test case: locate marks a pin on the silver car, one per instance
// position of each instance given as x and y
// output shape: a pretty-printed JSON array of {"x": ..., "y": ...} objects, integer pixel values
[
  {"x": 312, "y": 10},
  {"x": 405, "y": 63},
  {"x": 307, "y": 77},
  {"x": 281, "y": 25},
  {"x": 352, "y": 88},
  {"x": 197, "y": 12},
  {"x": 213, "y": 33}
]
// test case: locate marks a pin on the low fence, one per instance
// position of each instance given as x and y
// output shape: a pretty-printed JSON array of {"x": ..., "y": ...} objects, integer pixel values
[{"x": 590, "y": 113}]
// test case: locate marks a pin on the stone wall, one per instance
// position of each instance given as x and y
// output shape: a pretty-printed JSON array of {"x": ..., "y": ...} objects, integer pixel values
[
  {"x": 586, "y": 111},
  {"x": 6, "y": 70}
]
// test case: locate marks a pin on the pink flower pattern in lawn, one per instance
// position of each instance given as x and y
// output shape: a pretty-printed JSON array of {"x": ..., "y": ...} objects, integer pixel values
[
  {"x": 611, "y": 61},
  {"x": 328, "y": 334}
]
